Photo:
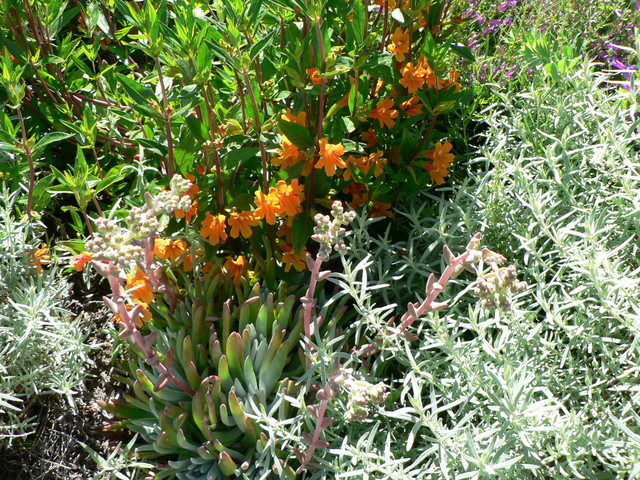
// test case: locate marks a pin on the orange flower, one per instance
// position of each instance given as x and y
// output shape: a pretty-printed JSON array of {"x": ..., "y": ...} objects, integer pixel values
[
  {"x": 188, "y": 215},
  {"x": 412, "y": 106},
  {"x": 430, "y": 78},
  {"x": 354, "y": 162},
  {"x": 330, "y": 157},
  {"x": 370, "y": 137},
  {"x": 235, "y": 268},
  {"x": 441, "y": 157},
  {"x": 289, "y": 154},
  {"x": 187, "y": 263},
  {"x": 213, "y": 228},
  {"x": 79, "y": 261},
  {"x": 359, "y": 199},
  {"x": 268, "y": 206},
  {"x": 385, "y": 113},
  {"x": 41, "y": 257},
  {"x": 293, "y": 259},
  {"x": 413, "y": 77},
  {"x": 400, "y": 43},
  {"x": 299, "y": 118},
  {"x": 314, "y": 74},
  {"x": 380, "y": 209},
  {"x": 166, "y": 249},
  {"x": 139, "y": 287},
  {"x": 290, "y": 196},
  {"x": 241, "y": 223},
  {"x": 379, "y": 162}
]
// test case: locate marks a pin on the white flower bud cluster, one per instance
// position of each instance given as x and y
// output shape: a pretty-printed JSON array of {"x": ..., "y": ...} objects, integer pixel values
[
  {"x": 329, "y": 233},
  {"x": 496, "y": 287},
  {"x": 361, "y": 395},
  {"x": 123, "y": 244},
  {"x": 167, "y": 201},
  {"x": 142, "y": 223},
  {"x": 111, "y": 242}
]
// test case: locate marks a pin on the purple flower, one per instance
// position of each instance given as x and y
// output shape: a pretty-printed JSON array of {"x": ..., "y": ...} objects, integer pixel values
[
  {"x": 493, "y": 24},
  {"x": 619, "y": 65},
  {"x": 506, "y": 5}
]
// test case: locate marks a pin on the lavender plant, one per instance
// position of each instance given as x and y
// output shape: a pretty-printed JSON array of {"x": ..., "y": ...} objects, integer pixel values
[
  {"x": 42, "y": 348},
  {"x": 547, "y": 388}
]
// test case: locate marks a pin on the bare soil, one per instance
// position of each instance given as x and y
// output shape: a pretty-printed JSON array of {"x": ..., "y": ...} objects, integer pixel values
[{"x": 54, "y": 451}]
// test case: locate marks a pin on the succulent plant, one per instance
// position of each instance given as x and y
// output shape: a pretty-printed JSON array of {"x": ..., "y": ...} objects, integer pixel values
[{"x": 235, "y": 348}]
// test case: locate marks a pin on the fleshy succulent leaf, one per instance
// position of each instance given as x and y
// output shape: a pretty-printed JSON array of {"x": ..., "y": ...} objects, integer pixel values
[
  {"x": 193, "y": 377},
  {"x": 226, "y": 463},
  {"x": 235, "y": 354},
  {"x": 223, "y": 371},
  {"x": 237, "y": 411}
]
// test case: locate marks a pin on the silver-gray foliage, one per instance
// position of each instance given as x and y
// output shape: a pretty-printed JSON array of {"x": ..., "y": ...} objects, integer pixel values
[
  {"x": 552, "y": 388},
  {"x": 42, "y": 350}
]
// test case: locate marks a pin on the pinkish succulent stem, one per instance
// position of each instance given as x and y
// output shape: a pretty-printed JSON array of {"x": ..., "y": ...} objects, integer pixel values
[
  {"x": 309, "y": 303},
  {"x": 416, "y": 310},
  {"x": 129, "y": 329},
  {"x": 325, "y": 396}
]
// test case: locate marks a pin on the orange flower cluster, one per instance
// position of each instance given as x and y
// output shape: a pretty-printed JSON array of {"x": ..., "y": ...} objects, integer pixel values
[
  {"x": 79, "y": 261},
  {"x": 385, "y": 113},
  {"x": 314, "y": 75},
  {"x": 412, "y": 106},
  {"x": 330, "y": 157},
  {"x": 235, "y": 268},
  {"x": 414, "y": 77},
  {"x": 172, "y": 250},
  {"x": 299, "y": 118},
  {"x": 213, "y": 228},
  {"x": 452, "y": 81},
  {"x": 364, "y": 164},
  {"x": 282, "y": 199},
  {"x": 292, "y": 259},
  {"x": 400, "y": 42},
  {"x": 241, "y": 223},
  {"x": 41, "y": 257},
  {"x": 288, "y": 155},
  {"x": 141, "y": 294},
  {"x": 441, "y": 157}
]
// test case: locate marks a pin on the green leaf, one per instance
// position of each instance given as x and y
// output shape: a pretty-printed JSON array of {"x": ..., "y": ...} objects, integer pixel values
[
  {"x": 302, "y": 230},
  {"x": 41, "y": 195},
  {"x": 141, "y": 96},
  {"x": 407, "y": 145},
  {"x": 380, "y": 67},
  {"x": 357, "y": 24},
  {"x": 234, "y": 158},
  {"x": 464, "y": 51},
  {"x": 47, "y": 139},
  {"x": 297, "y": 134},
  {"x": 226, "y": 464},
  {"x": 261, "y": 45}
]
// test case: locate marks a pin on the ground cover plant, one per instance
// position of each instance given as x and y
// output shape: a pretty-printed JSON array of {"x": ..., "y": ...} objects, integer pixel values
[{"x": 269, "y": 331}]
